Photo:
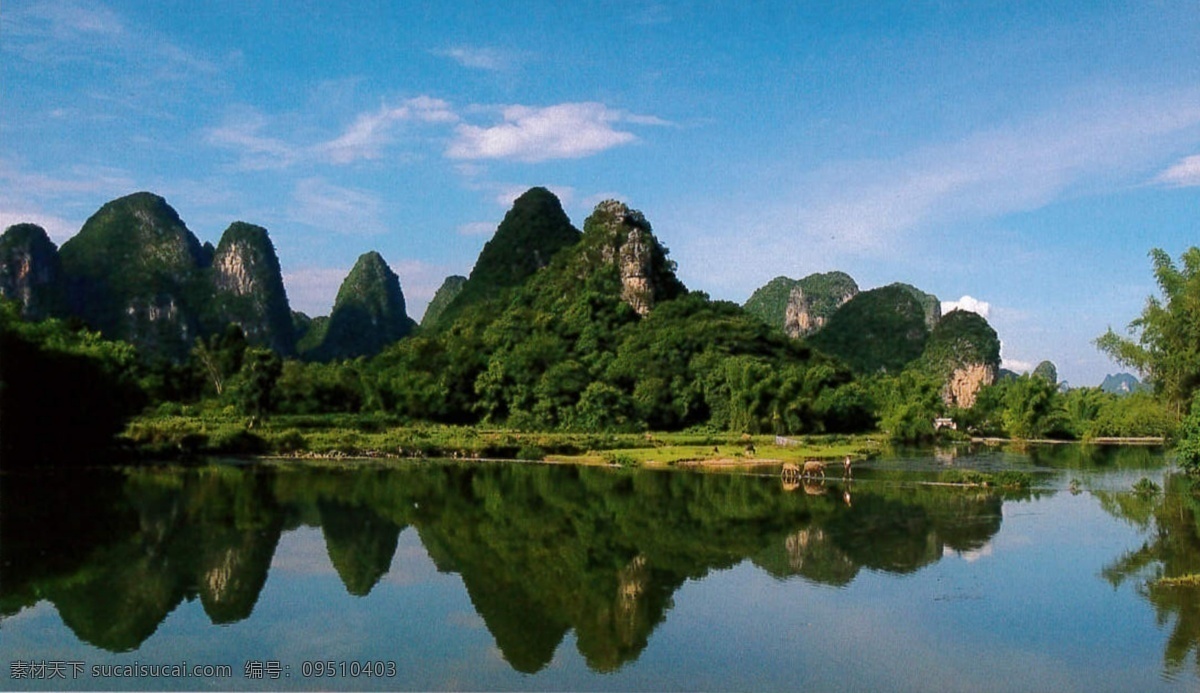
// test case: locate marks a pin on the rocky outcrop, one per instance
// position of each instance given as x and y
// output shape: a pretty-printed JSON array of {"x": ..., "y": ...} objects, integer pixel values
[
  {"x": 368, "y": 314},
  {"x": 965, "y": 382},
  {"x": 929, "y": 303},
  {"x": 802, "y": 306},
  {"x": 618, "y": 236},
  {"x": 31, "y": 272},
  {"x": 964, "y": 351},
  {"x": 806, "y": 313},
  {"x": 248, "y": 288}
]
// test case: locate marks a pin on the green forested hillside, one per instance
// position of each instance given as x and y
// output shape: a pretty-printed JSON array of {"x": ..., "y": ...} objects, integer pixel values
[
  {"x": 881, "y": 330},
  {"x": 368, "y": 314},
  {"x": 532, "y": 232}
]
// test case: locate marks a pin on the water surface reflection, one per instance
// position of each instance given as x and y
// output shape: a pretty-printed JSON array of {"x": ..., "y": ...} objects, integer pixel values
[{"x": 546, "y": 555}]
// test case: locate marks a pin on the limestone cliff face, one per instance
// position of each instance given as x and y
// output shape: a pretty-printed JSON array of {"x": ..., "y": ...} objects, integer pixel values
[
  {"x": 248, "y": 287},
  {"x": 964, "y": 350},
  {"x": 804, "y": 314},
  {"x": 31, "y": 272},
  {"x": 801, "y": 307},
  {"x": 619, "y": 236},
  {"x": 965, "y": 382}
]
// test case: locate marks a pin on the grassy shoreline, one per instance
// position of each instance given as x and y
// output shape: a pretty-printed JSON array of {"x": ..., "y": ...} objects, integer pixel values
[{"x": 349, "y": 437}]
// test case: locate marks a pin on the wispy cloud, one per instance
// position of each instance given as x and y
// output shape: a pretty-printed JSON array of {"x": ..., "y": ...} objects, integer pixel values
[
  {"x": 242, "y": 132},
  {"x": 26, "y": 197},
  {"x": 58, "y": 32},
  {"x": 1184, "y": 174},
  {"x": 869, "y": 209},
  {"x": 370, "y": 132},
  {"x": 481, "y": 57},
  {"x": 58, "y": 228},
  {"x": 477, "y": 228},
  {"x": 530, "y": 134},
  {"x": 245, "y": 133},
  {"x": 329, "y": 207}
]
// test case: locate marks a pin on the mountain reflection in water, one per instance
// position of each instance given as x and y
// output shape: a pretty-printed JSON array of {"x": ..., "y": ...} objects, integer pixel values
[{"x": 541, "y": 550}]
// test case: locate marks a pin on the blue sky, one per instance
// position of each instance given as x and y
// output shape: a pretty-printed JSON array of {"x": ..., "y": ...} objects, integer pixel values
[{"x": 1024, "y": 155}]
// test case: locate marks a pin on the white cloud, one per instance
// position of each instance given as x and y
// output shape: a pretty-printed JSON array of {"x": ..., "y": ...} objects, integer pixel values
[
  {"x": 323, "y": 205},
  {"x": 869, "y": 209},
  {"x": 563, "y": 131},
  {"x": 480, "y": 58},
  {"x": 1184, "y": 174},
  {"x": 969, "y": 304},
  {"x": 1014, "y": 365}
]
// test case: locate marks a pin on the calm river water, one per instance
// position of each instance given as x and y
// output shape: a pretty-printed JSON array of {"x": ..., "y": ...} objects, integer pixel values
[{"x": 515, "y": 576}]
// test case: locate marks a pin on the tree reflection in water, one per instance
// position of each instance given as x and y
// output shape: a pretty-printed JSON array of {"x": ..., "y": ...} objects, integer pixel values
[
  {"x": 542, "y": 550},
  {"x": 1171, "y": 551}
]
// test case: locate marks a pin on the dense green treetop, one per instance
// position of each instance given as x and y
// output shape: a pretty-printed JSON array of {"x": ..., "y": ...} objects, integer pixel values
[
  {"x": 446, "y": 293},
  {"x": 961, "y": 338},
  {"x": 31, "y": 272},
  {"x": 1167, "y": 345},
  {"x": 878, "y": 330},
  {"x": 64, "y": 393},
  {"x": 369, "y": 312}
]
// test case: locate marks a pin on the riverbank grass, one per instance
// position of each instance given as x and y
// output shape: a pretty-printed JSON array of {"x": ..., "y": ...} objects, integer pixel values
[{"x": 372, "y": 436}]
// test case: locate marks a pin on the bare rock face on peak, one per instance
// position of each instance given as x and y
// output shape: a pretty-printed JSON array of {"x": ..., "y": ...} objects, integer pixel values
[
  {"x": 619, "y": 236},
  {"x": 248, "y": 288},
  {"x": 801, "y": 307},
  {"x": 31, "y": 272},
  {"x": 964, "y": 351}
]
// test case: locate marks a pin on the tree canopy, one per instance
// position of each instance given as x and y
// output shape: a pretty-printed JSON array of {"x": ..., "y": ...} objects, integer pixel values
[{"x": 1164, "y": 342}]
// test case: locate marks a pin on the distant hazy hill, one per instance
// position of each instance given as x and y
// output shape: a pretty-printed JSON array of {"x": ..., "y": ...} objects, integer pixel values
[
  {"x": 1123, "y": 384},
  {"x": 446, "y": 293}
]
